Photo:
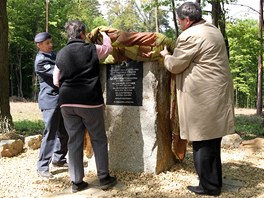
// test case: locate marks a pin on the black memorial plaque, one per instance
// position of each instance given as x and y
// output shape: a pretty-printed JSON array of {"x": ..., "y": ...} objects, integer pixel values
[{"x": 124, "y": 84}]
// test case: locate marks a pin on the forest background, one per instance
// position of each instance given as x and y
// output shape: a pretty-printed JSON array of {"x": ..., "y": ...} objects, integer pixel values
[{"x": 28, "y": 17}]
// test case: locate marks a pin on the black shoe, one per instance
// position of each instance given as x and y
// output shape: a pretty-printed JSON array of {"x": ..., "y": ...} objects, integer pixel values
[
  {"x": 198, "y": 190},
  {"x": 107, "y": 182},
  {"x": 78, "y": 187},
  {"x": 45, "y": 174},
  {"x": 60, "y": 164}
]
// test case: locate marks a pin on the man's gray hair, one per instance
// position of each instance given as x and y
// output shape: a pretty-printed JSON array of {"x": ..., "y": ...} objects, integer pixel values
[{"x": 190, "y": 10}]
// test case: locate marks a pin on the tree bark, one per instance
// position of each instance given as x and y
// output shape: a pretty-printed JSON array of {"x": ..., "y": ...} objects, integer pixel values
[
  {"x": 216, "y": 9},
  {"x": 5, "y": 116},
  {"x": 157, "y": 15},
  {"x": 175, "y": 19},
  {"x": 47, "y": 15},
  {"x": 260, "y": 60},
  {"x": 218, "y": 19}
]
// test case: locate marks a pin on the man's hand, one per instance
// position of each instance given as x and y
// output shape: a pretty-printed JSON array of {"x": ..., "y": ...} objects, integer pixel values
[{"x": 164, "y": 52}]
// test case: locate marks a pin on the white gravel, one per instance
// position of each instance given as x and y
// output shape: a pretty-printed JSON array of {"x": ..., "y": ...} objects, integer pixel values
[{"x": 243, "y": 172}]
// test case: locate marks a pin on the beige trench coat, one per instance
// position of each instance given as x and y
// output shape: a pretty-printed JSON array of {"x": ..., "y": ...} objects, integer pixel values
[{"x": 203, "y": 82}]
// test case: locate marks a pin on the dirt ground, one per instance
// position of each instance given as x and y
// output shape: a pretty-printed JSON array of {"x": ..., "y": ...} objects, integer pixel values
[
  {"x": 243, "y": 173},
  {"x": 30, "y": 111}
]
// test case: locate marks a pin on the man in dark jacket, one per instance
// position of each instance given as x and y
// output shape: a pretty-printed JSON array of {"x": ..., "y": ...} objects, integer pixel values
[{"x": 55, "y": 138}]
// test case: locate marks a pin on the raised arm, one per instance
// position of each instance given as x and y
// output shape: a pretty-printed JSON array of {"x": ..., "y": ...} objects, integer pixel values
[{"x": 106, "y": 48}]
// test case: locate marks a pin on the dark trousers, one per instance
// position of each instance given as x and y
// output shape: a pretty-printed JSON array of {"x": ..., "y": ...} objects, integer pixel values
[
  {"x": 54, "y": 141},
  {"x": 207, "y": 162},
  {"x": 76, "y": 120}
]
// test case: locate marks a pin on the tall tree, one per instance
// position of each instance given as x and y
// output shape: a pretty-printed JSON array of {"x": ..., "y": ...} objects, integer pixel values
[
  {"x": 87, "y": 11},
  {"x": 125, "y": 16},
  {"x": 174, "y": 19},
  {"x": 157, "y": 15},
  {"x": 243, "y": 59},
  {"x": 260, "y": 59},
  {"x": 24, "y": 17},
  {"x": 218, "y": 18},
  {"x": 5, "y": 116}
]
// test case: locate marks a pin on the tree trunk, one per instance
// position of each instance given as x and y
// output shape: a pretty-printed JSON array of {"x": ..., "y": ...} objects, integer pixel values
[
  {"x": 11, "y": 80},
  {"x": 157, "y": 15},
  {"x": 222, "y": 25},
  {"x": 218, "y": 19},
  {"x": 175, "y": 19},
  {"x": 216, "y": 9},
  {"x": 47, "y": 15},
  {"x": 20, "y": 76},
  {"x": 260, "y": 58},
  {"x": 5, "y": 116}
]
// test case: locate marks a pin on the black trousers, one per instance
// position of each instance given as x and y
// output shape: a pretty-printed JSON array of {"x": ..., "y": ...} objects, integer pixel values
[{"x": 207, "y": 162}]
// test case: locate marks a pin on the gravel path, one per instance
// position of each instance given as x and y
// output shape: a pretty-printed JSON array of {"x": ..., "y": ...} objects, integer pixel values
[{"x": 243, "y": 172}]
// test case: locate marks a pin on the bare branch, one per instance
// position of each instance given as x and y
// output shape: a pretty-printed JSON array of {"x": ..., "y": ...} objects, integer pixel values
[{"x": 245, "y": 6}]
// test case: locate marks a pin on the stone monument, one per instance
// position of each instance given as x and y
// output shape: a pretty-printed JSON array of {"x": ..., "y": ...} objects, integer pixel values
[{"x": 137, "y": 96}]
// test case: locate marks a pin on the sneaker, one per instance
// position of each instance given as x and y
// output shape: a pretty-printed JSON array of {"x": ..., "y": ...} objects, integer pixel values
[
  {"x": 45, "y": 174},
  {"x": 107, "y": 182},
  {"x": 60, "y": 164},
  {"x": 78, "y": 187}
]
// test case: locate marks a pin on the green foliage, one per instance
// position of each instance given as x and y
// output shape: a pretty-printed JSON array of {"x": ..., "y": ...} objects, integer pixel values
[
  {"x": 28, "y": 17},
  {"x": 99, "y": 21},
  {"x": 147, "y": 15},
  {"x": 88, "y": 12},
  {"x": 243, "y": 42},
  {"x": 21, "y": 44},
  {"x": 28, "y": 127},
  {"x": 122, "y": 16},
  {"x": 136, "y": 16},
  {"x": 249, "y": 127}
]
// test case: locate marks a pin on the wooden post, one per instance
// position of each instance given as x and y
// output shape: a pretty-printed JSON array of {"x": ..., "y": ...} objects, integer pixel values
[
  {"x": 47, "y": 15},
  {"x": 260, "y": 60}
]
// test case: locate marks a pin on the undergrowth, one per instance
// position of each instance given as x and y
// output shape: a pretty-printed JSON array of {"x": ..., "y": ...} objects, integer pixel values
[
  {"x": 27, "y": 127},
  {"x": 247, "y": 126}
]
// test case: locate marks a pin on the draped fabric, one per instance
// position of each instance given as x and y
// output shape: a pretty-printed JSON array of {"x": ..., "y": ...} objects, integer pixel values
[
  {"x": 139, "y": 46},
  {"x": 143, "y": 46}
]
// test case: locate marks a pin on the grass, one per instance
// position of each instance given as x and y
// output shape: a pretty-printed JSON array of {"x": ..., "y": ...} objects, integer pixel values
[
  {"x": 249, "y": 126},
  {"x": 27, "y": 120},
  {"x": 28, "y": 127}
]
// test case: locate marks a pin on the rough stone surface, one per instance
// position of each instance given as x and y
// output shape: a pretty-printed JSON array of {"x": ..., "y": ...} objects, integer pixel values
[
  {"x": 33, "y": 142},
  {"x": 10, "y": 148},
  {"x": 231, "y": 141},
  {"x": 139, "y": 135}
]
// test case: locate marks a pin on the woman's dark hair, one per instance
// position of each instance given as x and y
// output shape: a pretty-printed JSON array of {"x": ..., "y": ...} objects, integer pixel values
[
  {"x": 190, "y": 10},
  {"x": 74, "y": 28}
]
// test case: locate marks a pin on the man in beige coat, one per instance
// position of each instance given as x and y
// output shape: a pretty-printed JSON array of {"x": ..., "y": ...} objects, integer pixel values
[{"x": 204, "y": 93}]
